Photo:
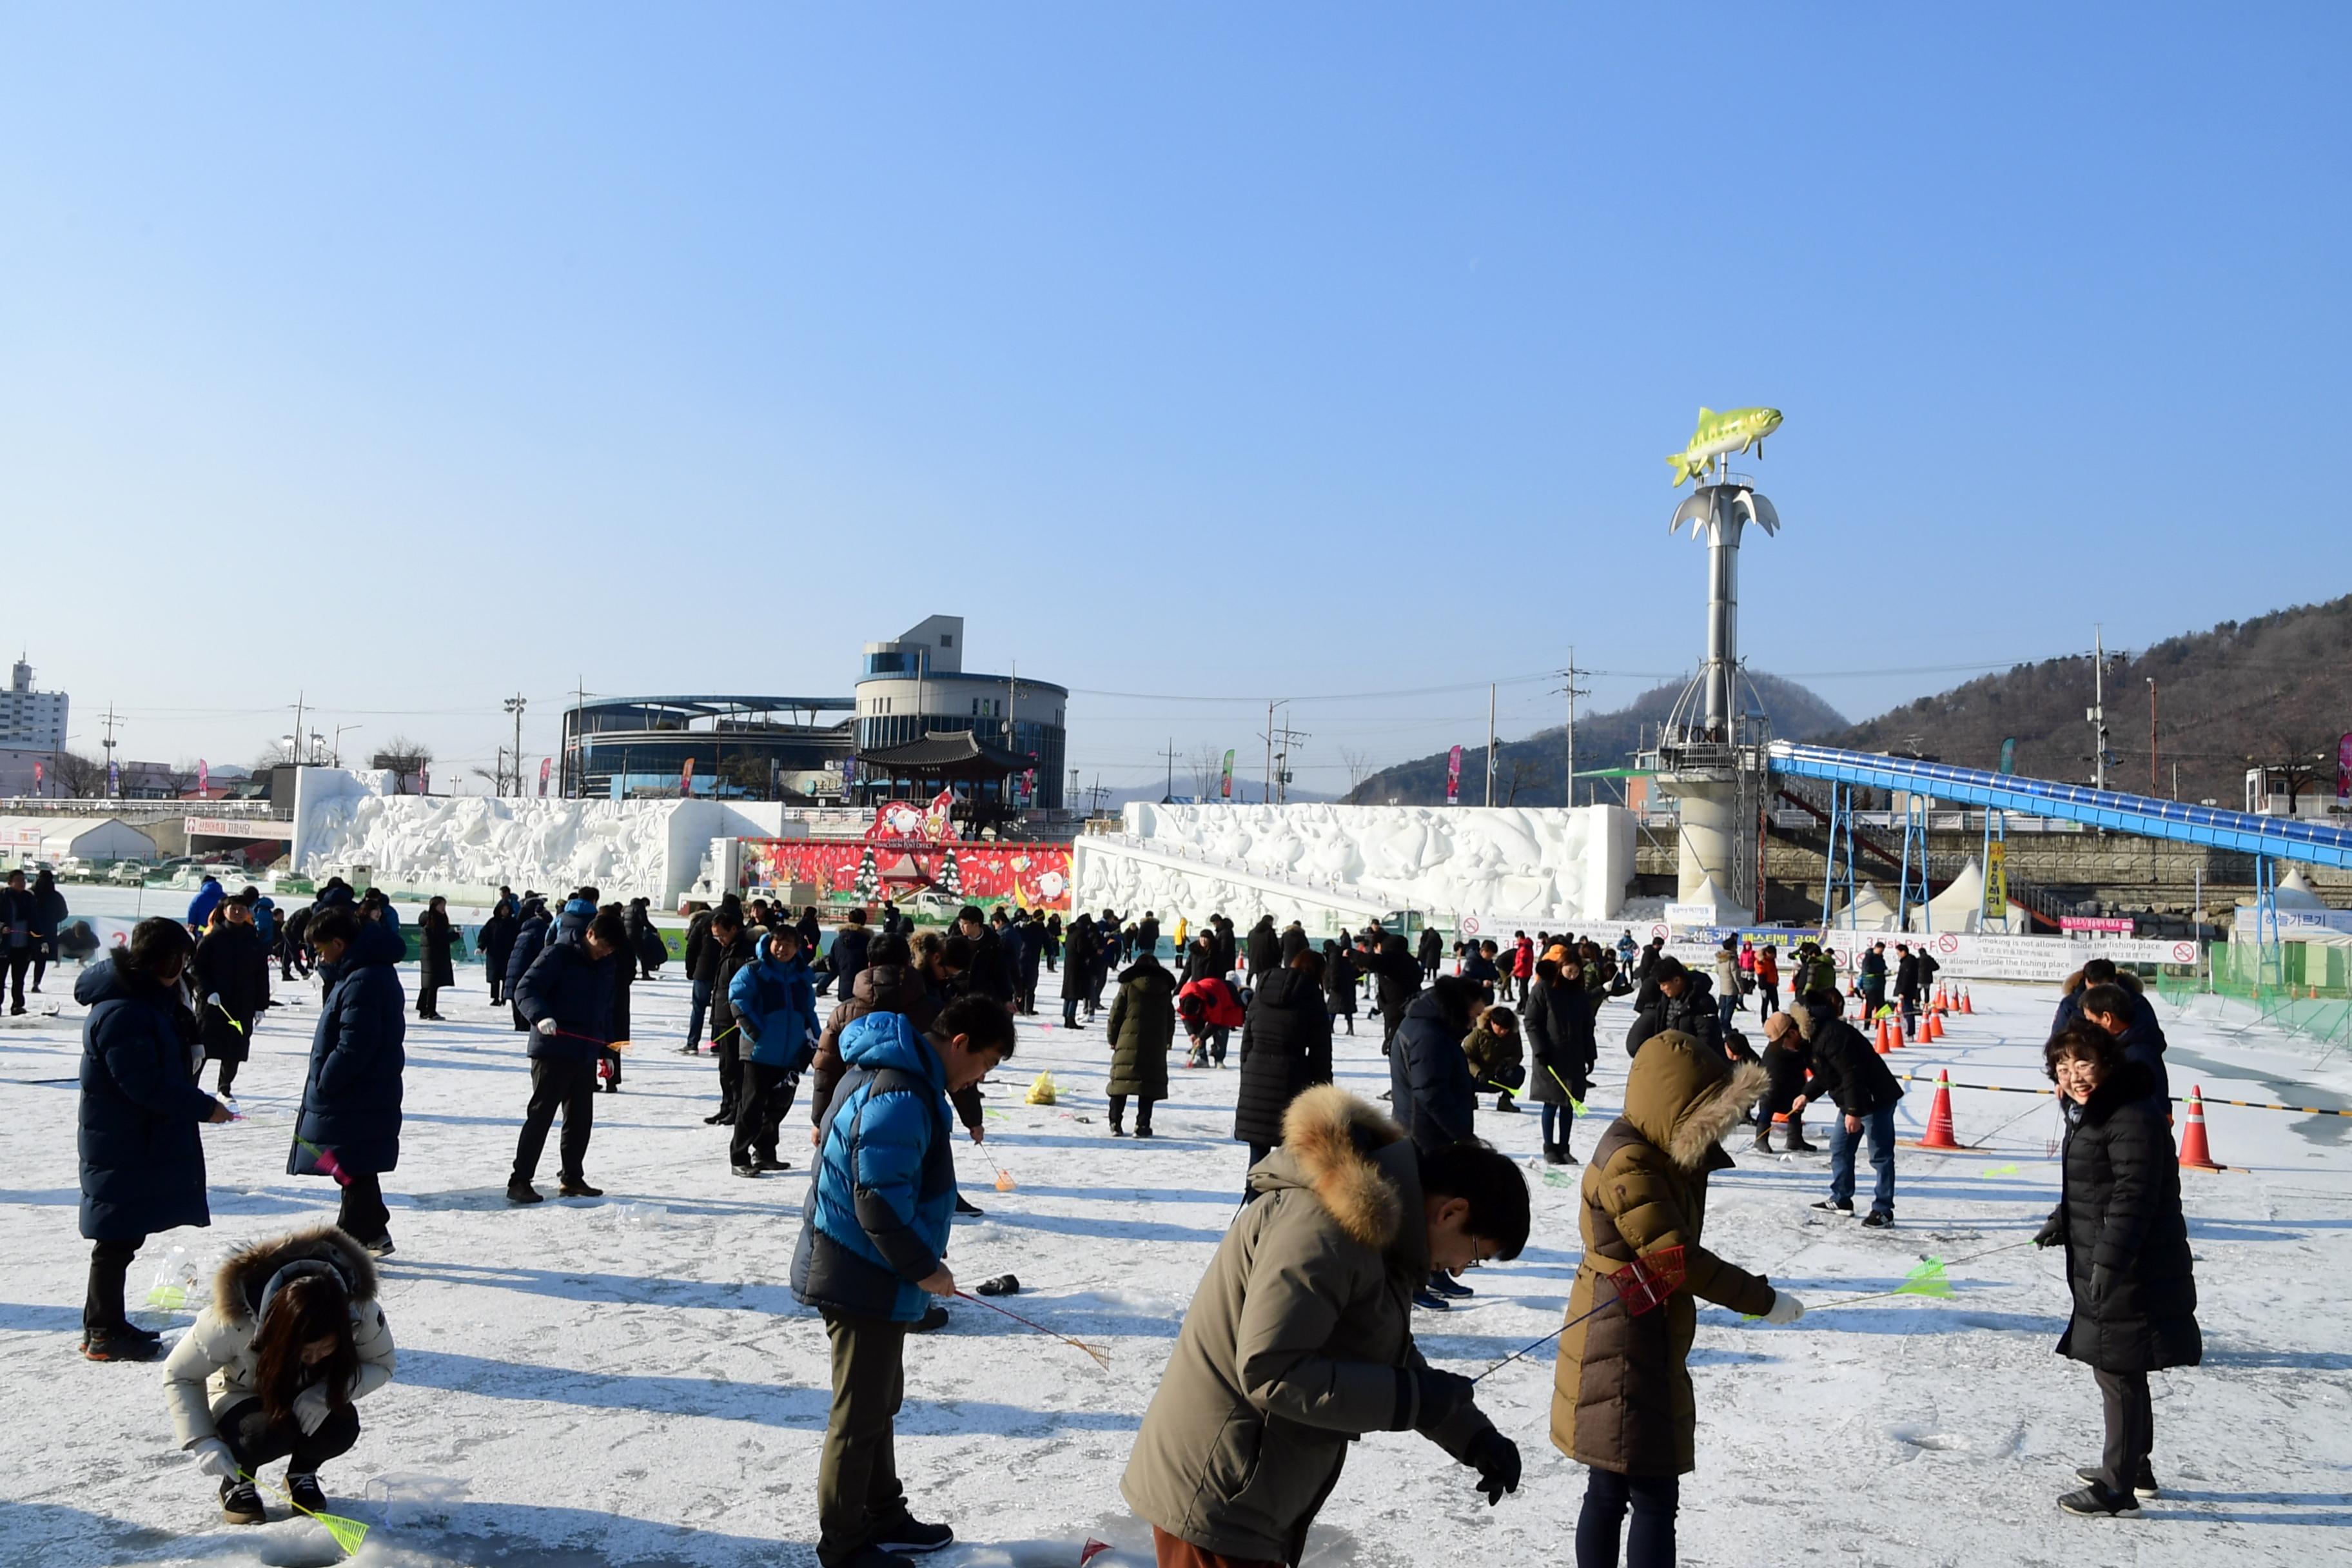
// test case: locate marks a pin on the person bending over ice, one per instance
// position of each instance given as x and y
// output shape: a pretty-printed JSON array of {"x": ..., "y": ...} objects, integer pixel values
[{"x": 1300, "y": 1339}]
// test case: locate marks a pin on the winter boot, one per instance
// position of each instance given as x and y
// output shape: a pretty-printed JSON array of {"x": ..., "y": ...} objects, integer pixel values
[
  {"x": 1505, "y": 1104},
  {"x": 1797, "y": 1144},
  {"x": 1555, "y": 1154},
  {"x": 307, "y": 1493},
  {"x": 521, "y": 1192},
  {"x": 1764, "y": 1138},
  {"x": 2096, "y": 1501},
  {"x": 907, "y": 1534},
  {"x": 577, "y": 1187},
  {"x": 934, "y": 1319},
  {"x": 241, "y": 1503},
  {"x": 121, "y": 1342}
]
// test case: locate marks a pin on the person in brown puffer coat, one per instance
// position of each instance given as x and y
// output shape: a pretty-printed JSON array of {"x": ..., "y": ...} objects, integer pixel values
[
  {"x": 1143, "y": 1028},
  {"x": 1621, "y": 1399}
]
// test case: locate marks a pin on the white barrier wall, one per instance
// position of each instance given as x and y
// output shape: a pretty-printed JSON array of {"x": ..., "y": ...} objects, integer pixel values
[
  {"x": 1531, "y": 866},
  {"x": 627, "y": 849}
]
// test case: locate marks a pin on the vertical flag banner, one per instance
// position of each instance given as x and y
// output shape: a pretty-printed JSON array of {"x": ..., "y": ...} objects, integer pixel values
[
  {"x": 1454, "y": 777},
  {"x": 113, "y": 778},
  {"x": 1225, "y": 784},
  {"x": 40, "y": 776},
  {"x": 2343, "y": 769},
  {"x": 204, "y": 777},
  {"x": 2009, "y": 755},
  {"x": 544, "y": 763},
  {"x": 1996, "y": 899},
  {"x": 686, "y": 779},
  {"x": 425, "y": 779}
]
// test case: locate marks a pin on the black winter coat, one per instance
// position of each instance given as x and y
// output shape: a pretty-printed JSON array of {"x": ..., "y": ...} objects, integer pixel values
[
  {"x": 351, "y": 1100},
  {"x": 1079, "y": 959},
  {"x": 1397, "y": 977},
  {"x": 1339, "y": 977},
  {"x": 563, "y": 982},
  {"x": 497, "y": 943},
  {"x": 1285, "y": 1048},
  {"x": 1431, "y": 949},
  {"x": 2126, "y": 1243},
  {"x": 1556, "y": 1021},
  {"x": 233, "y": 963},
  {"x": 724, "y": 965},
  {"x": 617, "y": 1016},
  {"x": 1430, "y": 1090},
  {"x": 992, "y": 973},
  {"x": 1264, "y": 950},
  {"x": 848, "y": 956},
  {"x": 699, "y": 961},
  {"x": 1848, "y": 1070},
  {"x": 530, "y": 937},
  {"x": 435, "y": 940},
  {"x": 143, "y": 1156},
  {"x": 1693, "y": 1013}
]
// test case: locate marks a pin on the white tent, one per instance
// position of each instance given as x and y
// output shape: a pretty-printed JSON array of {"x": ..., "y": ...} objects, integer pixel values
[
  {"x": 1959, "y": 907},
  {"x": 55, "y": 837},
  {"x": 1724, "y": 911},
  {"x": 2293, "y": 891},
  {"x": 1870, "y": 912}
]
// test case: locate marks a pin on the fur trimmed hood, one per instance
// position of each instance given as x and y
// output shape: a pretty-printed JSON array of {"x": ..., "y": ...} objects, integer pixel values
[
  {"x": 1683, "y": 1098},
  {"x": 244, "y": 1278},
  {"x": 1332, "y": 1137}
]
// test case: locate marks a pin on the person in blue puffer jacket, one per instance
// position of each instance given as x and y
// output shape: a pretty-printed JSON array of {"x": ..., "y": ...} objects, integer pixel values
[
  {"x": 200, "y": 908},
  {"x": 774, "y": 1003},
  {"x": 873, "y": 1233}
]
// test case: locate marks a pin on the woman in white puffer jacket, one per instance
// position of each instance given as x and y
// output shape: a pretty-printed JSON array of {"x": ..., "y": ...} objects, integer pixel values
[{"x": 292, "y": 1337}]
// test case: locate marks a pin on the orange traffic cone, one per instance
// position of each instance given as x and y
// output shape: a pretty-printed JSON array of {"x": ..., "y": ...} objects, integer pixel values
[
  {"x": 1966, "y": 1005},
  {"x": 2194, "y": 1153},
  {"x": 1940, "y": 1116},
  {"x": 1882, "y": 1046}
]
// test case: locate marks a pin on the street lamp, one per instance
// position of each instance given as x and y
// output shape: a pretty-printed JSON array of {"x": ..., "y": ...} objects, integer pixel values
[{"x": 338, "y": 741}]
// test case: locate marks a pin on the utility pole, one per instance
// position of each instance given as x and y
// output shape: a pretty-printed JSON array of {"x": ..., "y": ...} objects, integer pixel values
[
  {"x": 1573, "y": 691},
  {"x": 515, "y": 706},
  {"x": 2152, "y": 789},
  {"x": 294, "y": 751},
  {"x": 2098, "y": 713},
  {"x": 576, "y": 749},
  {"x": 1268, "y": 797},
  {"x": 1490, "y": 743},
  {"x": 1287, "y": 737},
  {"x": 109, "y": 745},
  {"x": 1171, "y": 769}
]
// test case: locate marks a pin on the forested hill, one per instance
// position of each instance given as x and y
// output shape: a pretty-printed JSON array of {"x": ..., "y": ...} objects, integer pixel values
[
  {"x": 1529, "y": 770},
  {"x": 2277, "y": 689}
]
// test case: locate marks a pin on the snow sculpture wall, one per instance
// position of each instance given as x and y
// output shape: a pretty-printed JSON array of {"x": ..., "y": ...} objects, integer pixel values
[
  {"x": 646, "y": 849},
  {"x": 1523, "y": 865}
]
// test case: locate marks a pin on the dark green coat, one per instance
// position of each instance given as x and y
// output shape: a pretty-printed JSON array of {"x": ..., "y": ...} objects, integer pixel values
[{"x": 1143, "y": 1028}]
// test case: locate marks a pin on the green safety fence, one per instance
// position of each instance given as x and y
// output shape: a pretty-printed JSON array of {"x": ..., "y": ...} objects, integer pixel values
[{"x": 2298, "y": 986}]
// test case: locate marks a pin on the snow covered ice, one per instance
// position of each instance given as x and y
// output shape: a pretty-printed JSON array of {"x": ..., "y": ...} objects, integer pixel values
[{"x": 628, "y": 1380}]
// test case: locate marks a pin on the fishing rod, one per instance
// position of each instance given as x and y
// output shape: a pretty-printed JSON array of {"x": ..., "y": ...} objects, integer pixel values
[{"x": 1101, "y": 1359}]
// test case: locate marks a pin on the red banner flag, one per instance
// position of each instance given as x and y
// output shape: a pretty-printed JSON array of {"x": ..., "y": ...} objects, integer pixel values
[
  {"x": 686, "y": 779},
  {"x": 544, "y": 763},
  {"x": 1453, "y": 778}
]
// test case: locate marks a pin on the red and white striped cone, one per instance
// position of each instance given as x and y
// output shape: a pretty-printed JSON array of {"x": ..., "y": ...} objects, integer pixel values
[{"x": 2196, "y": 1154}]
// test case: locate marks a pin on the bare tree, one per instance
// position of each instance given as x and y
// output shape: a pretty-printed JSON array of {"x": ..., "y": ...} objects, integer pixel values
[
  {"x": 1524, "y": 771},
  {"x": 407, "y": 760},
  {"x": 1208, "y": 765},
  {"x": 76, "y": 774}
]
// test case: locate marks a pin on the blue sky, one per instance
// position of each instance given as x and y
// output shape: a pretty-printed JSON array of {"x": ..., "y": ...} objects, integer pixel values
[{"x": 414, "y": 357}]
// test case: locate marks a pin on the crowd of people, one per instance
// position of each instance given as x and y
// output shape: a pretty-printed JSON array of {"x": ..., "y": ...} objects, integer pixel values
[{"x": 1353, "y": 1216}]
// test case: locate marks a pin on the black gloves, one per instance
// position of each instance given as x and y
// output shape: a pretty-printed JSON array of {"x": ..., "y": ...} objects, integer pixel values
[
  {"x": 2052, "y": 1231},
  {"x": 1442, "y": 1395},
  {"x": 1496, "y": 1459}
]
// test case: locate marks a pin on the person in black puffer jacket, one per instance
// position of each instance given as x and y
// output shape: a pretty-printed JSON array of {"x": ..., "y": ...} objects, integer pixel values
[
  {"x": 142, "y": 1160},
  {"x": 1557, "y": 1022},
  {"x": 733, "y": 945},
  {"x": 1285, "y": 1048},
  {"x": 231, "y": 969},
  {"x": 1264, "y": 950},
  {"x": 496, "y": 943},
  {"x": 1396, "y": 981},
  {"x": 2128, "y": 1257},
  {"x": 350, "y": 1100},
  {"x": 1675, "y": 998},
  {"x": 567, "y": 997}
]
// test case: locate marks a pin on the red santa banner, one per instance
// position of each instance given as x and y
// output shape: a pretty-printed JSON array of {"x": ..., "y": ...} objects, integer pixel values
[{"x": 1032, "y": 876}]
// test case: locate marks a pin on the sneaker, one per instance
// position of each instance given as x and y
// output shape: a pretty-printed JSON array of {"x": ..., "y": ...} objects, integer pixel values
[
  {"x": 2144, "y": 1484},
  {"x": 1424, "y": 1298},
  {"x": 1835, "y": 1205},
  {"x": 746, "y": 1170},
  {"x": 520, "y": 1192},
  {"x": 1877, "y": 1219},
  {"x": 1142, "y": 1131},
  {"x": 577, "y": 1189},
  {"x": 306, "y": 1492},
  {"x": 382, "y": 1245},
  {"x": 690, "y": 1050},
  {"x": 241, "y": 1503},
  {"x": 908, "y": 1534},
  {"x": 122, "y": 1343},
  {"x": 2096, "y": 1501},
  {"x": 1446, "y": 1285},
  {"x": 766, "y": 1163},
  {"x": 933, "y": 1320},
  {"x": 1507, "y": 1108}
]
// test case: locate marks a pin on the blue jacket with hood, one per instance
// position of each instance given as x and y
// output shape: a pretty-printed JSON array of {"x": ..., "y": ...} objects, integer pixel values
[
  {"x": 774, "y": 1005},
  {"x": 200, "y": 908},
  {"x": 876, "y": 1216},
  {"x": 351, "y": 1102}
]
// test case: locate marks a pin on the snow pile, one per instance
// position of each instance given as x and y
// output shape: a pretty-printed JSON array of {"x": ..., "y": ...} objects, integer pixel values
[{"x": 1510, "y": 865}]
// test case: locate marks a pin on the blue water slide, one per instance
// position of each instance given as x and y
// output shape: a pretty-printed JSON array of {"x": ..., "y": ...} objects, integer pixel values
[{"x": 2280, "y": 838}]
